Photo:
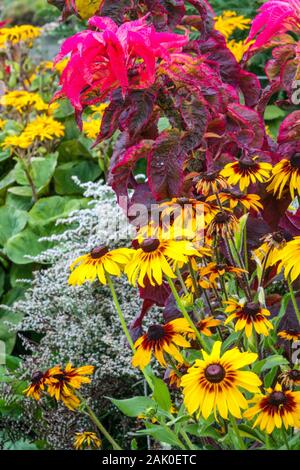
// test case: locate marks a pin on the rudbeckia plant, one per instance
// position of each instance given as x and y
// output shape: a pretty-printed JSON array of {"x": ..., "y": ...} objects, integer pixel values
[{"x": 218, "y": 364}]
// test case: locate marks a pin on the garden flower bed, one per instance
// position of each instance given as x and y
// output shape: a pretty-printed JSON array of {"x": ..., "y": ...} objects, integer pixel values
[{"x": 150, "y": 228}]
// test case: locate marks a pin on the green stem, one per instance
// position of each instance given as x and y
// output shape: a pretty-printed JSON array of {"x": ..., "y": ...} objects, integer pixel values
[
  {"x": 267, "y": 442},
  {"x": 176, "y": 438},
  {"x": 97, "y": 423},
  {"x": 294, "y": 301},
  {"x": 184, "y": 312},
  {"x": 123, "y": 324},
  {"x": 237, "y": 432},
  {"x": 285, "y": 439},
  {"x": 179, "y": 275},
  {"x": 119, "y": 311},
  {"x": 187, "y": 440}
]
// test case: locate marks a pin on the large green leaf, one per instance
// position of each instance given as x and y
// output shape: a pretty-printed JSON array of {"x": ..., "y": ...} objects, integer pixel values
[
  {"x": 7, "y": 180},
  {"x": 42, "y": 170},
  {"x": 50, "y": 209},
  {"x": 20, "y": 272},
  {"x": 161, "y": 394},
  {"x": 2, "y": 279},
  {"x": 26, "y": 243},
  {"x": 84, "y": 170},
  {"x": 12, "y": 221},
  {"x": 134, "y": 406},
  {"x": 73, "y": 150}
]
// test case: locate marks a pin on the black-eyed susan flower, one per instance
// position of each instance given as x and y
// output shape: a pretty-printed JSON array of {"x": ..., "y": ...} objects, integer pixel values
[
  {"x": 236, "y": 198},
  {"x": 37, "y": 385},
  {"x": 291, "y": 334},
  {"x": 286, "y": 175},
  {"x": 224, "y": 224},
  {"x": 290, "y": 378},
  {"x": 248, "y": 315},
  {"x": 185, "y": 214},
  {"x": 213, "y": 271},
  {"x": 246, "y": 171},
  {"x": 155, "y": 258},
  {"x": 277, "y": 408},
  {"x": 289, "y": 257},
  {"x": 86, "y": 440},
  {"x": 173, "y": 376},
  {"x": 160, "y": 340},
  {"x": 62, "y": 383},
  {"x": 269, "y": 253},
  {"x": 213, "y": 384},
  {"x": 97, "y": 263},
  {"x": 210, "y": 182},
  {"x": 204, "y": 326}
]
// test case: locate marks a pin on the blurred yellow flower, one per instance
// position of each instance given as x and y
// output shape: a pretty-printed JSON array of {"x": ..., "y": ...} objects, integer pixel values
[
  {"x": 16, "y": 34},
  {"x": 2, "y": 124},
  {"x": 230, "y": 21},
  {"x": 44, "y": 128},
  {"x": 238, "y": 48},
  {"x": 60, "y": 66},
  {"x": 16, "y": 141},
  {"x": 23, "y": 101},
  {"x": 91, "y": 128}
]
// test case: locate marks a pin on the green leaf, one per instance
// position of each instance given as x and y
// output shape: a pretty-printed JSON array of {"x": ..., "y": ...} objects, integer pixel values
[
  {"x": 238, "y": 237},
  {"x": 26, "y": 243},
  {"x": 19, "y": 272},
  {"x": 160, "y": 434},
  {"x": 12, "y": 221},
  {"x": 73, "y": 150},
  {"x": 17, "y": 201},
  {"x": 161, "y": 394},
  {"x": 2, "y": 279},
  {"x": 273, "y": 112},
  {"x": 50, "y": 209},
  {"x": 274, "y": 361},
  {"x": 135, "y": 406},
  {"x": 42, "y": 170},
  {"x": 7, "y": 180},
  {"x": 23, "y": 191},
  {"x": 84, "y": 170}
]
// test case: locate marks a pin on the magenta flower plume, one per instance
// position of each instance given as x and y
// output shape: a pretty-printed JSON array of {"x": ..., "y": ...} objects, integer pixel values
[
  {"x": 275, "y": 17},
  {"x": 107, "y": 57}
]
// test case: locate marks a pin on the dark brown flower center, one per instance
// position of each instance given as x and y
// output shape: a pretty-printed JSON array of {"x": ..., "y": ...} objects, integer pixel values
[
  {"x": 210, "y": 176},
  {"x": 277, "y": 398},
  {"x": 294, "y": 374},
  {"x": 293, "y": 331},
  {"x": 215, "y": 373},
  {"x": 150, "y": 244},
  {"x": 37, "y": 377},
  {"x": 251, "y": 309},
  {"x": 247, "y": 163},
  {"x": 278, "y": 237},
  {"x": 155, "y": 332},
  {"x": 221, "y": 267},
  {"x": 182, "y": 201},
  {"x": 99, "y": 251},
  {"x": 222, "y": 218},
  {"x": 295, "y": 161}
]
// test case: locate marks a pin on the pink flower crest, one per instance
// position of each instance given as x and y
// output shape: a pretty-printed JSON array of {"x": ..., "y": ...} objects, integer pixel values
[
  {"x": 106, "y": 57},
  {"x": 275, "y": 17}
]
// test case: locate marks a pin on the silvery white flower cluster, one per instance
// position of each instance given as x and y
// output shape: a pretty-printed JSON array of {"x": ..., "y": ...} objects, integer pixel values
[{"x": 79, "y": 324}]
